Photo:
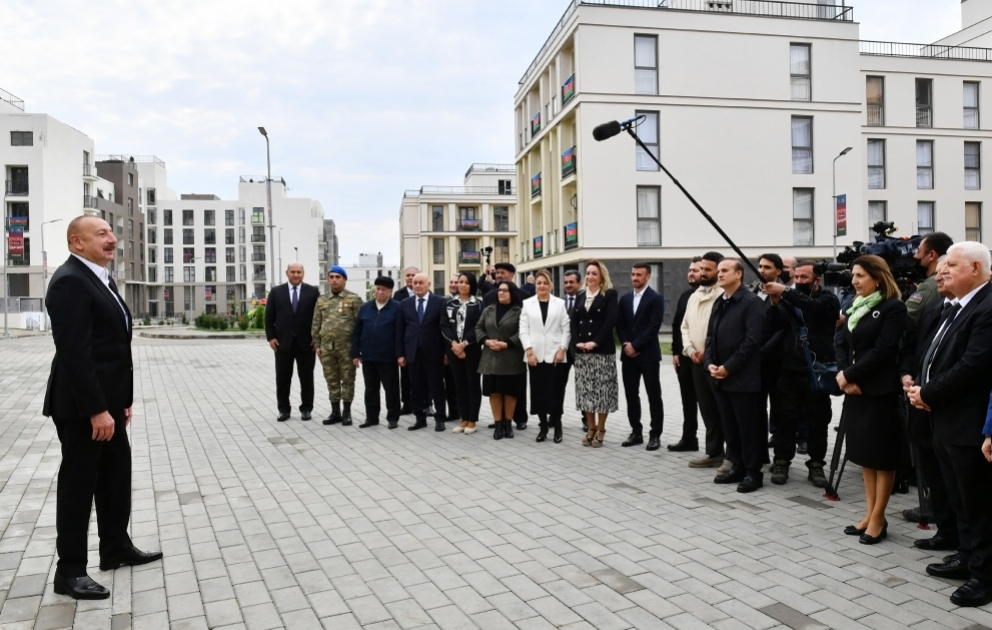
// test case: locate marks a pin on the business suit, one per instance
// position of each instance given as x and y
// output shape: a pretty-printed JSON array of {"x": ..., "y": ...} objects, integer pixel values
[
  {"x": 291, "y": 328},
  {"x": 91, "y": 373},
  {"x": 640, "y": 329},
  {"x": 546, "y": 330},
  {"x": 687, "y": 388},
  {"x": 957, "y": 391},
  {"x": 399, "y": 296},
  {"x": 419, "y": 341}
]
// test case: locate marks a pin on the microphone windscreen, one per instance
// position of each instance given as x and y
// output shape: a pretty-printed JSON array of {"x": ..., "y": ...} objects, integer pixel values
[{"x": 606, "y": 130}]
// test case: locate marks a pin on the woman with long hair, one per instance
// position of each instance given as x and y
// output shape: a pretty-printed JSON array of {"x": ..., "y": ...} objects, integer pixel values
[
  {"x": 593, "y": 321},
  {"x": 461, "y": 314},
  {"x": 545, "y": 330},
  {"x": 502, "y": 363}
]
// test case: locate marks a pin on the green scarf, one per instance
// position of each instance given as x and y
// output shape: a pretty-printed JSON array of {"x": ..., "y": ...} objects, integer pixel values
[{"x": 861, "y": 307}]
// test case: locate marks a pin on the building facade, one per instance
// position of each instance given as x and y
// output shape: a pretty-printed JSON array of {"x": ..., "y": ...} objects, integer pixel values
[
  {"x": 121, "y": 207},
  {"x": 748, "y": 104},
  {"x": 361, "y": 277},
  {"x": 449, "y": 229}
]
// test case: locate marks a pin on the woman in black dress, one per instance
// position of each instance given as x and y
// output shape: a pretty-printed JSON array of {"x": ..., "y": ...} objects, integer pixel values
[
  {"x": 461, "y": 314},
  {"x": 868, "y": 364},
  {"x": 502, "y": 365}
]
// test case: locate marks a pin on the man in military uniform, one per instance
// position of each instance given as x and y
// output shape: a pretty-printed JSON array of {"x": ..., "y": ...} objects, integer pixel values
[
  {"x": 931, "y": 248},
  {"x": 333, "y": 324}
]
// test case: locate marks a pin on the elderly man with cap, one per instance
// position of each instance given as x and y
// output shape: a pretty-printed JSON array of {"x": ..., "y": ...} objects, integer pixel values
[
  {"x": 374, "y": 349},
  {"x": 333, "y": 325}
]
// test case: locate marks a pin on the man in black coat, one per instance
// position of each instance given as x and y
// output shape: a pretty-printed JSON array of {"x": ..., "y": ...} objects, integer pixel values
[
  {"x": 288, "y": 317},
  {"x": 399, "y": 296},
  {"x": 953, "y": 384},
  {"x": 638, "y": 322},
  {"x": 683, "y": 368},
  {"x": 733, "y": 358},
  {"x": 89, "y": 396},
  {"x": 420, "y": 349}
]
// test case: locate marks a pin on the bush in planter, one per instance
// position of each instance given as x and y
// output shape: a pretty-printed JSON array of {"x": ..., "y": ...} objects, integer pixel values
[
  {"x": 243, "y": 322},
  {"x": 259, "y": 317},
  {"x": 222, "y": 324}
]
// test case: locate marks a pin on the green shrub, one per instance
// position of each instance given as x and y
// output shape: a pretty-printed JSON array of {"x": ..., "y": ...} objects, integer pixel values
[
  {"x": 259, "y": 317},
  {"x": 243, "y": 322}
]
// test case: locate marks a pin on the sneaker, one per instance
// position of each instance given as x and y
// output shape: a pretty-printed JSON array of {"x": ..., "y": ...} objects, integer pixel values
[
  {"x": 816, "y": 476},
  {"x": 780, "y": 472},
  {"x": 706, "y": 462},
  {"x": 725, "y": 467}
]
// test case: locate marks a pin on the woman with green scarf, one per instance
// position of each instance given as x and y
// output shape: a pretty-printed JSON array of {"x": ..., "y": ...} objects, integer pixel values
[{"x": 868, "y": 363}]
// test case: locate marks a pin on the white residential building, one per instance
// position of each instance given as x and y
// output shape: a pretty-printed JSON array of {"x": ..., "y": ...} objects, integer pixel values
[
  {"x": 748, "y": 104},
  {"x": 361, "y": 277}
]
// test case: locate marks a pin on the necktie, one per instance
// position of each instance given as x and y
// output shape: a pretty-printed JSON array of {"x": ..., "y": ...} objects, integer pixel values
[
  {"x": 571, "y": 304},
  {"x": 296, "y": 299},
  {"x": 946, "y": 319},
  {"x": 420, "y": 309}
]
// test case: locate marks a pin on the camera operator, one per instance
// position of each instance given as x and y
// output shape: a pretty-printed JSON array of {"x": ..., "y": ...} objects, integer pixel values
[
  {"x": 806, "y": 304},
  {"x": 927, "y": 254}
]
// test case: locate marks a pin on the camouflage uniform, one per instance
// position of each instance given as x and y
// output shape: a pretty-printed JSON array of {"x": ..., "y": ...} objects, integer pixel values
[
  {"x": 925, "y": 293},
  {"x": 333, "y": 323}
]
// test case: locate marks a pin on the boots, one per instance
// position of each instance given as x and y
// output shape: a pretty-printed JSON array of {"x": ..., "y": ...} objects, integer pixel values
[
  {"x": 346, "y": 416},
  {"x": 498, "y": 434},
  {"x": 335, "y": 416},
  {"x": 542, "y": 434},
  {"x": 816, "y": 476},
  {"x": 556, "y": 425},
  {"x": 780, "y": 471},
  {"x": 508, "y": 429}
]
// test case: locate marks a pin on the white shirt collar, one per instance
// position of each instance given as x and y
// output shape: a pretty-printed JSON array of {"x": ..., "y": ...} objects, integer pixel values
[
  {"x": 641, "y": 292},
  {"x": 964, "y": 301},
  {"x": 100, "y": 272}
]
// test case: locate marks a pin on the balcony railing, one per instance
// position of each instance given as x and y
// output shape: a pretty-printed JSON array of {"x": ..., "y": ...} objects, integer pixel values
[
  {"x": 258, "y": 257},
  {"x": 469, "y": 225},
  {"x": 924, "y": 116},
  {"x": 16, "y": 188},
  {"x": 468, "y": 259},
  {"x": 491, "y": 168},
  {"x": 257, "y": 238},
  {"x": 259, "y": 277},
  {"x": 89, "y": 170},
  {"x": 876, "y": 115},
  {"x": 13, "y": 100},
  {"x": 130, "y": 158},
  {"x": 926, "y": 51},
  {"x": 89, "y": 201}
]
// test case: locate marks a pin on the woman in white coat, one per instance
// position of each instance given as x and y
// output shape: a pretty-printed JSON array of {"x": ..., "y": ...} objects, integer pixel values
[{"x": 545, "y": 333}]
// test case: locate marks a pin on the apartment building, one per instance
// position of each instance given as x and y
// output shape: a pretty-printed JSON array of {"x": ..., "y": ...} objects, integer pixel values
[
  {"x": 750, "y": 105},
  {"x": 121, "y": 207},
  {"x": 328, "y": 251},
  {"x": 361, "y": 277},
  {"x": 449, "y": 229}
]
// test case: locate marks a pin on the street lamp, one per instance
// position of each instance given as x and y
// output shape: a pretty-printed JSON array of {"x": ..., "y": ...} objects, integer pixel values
[
  {"x": 192, "y": 288},
  {"x": 44, "y": 274},
  {"x": 280, "y": 253},
  {"x": 842, "y": 154},
  {"x": 296, "y": 254},
  {"x": 268, "y": 199}
]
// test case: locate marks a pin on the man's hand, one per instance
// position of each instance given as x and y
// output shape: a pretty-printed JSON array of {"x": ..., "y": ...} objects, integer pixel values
[
  {"x": 274, "y": 344},
  {"x": 697, "y": 357},
  {"x": 400, "y": 361},
  {"x": 840, "y": 321},
  {"x": 718, "y": 372},
  {"x": 987, "y": 449},
  {"x": 628, "y": 349},
  {"x": 907, "y": 382},
  {"x": 916, "y": 400},
  {"x": 675, "y": 361},
  {"x": 853, "y": 389},
  {"x": 774, "y": 289},
  {"x": 356, "y": 362},
  {"x": 103, "y": 427},
  {"x": 128, "y": 414}
]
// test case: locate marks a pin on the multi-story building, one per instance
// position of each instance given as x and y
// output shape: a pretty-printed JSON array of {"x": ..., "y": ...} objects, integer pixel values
[
  {"x": 447, "y": 229},
  {"x": 361, "y": 277},
  {"x": 328, "y": 249},
  {"x": 750, "y": 105},
  {"x": 123, "y": 210}
]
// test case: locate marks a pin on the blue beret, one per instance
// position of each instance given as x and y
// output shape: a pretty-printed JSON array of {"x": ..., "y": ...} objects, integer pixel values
[{"x": 339, "y": 270}]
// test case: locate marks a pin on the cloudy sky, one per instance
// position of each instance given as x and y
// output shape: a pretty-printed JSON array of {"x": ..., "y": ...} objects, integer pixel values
[{"x": 362, "y": 98}]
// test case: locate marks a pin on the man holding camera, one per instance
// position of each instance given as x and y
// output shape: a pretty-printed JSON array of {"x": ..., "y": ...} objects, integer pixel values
[{"x": 806, "y": 305}]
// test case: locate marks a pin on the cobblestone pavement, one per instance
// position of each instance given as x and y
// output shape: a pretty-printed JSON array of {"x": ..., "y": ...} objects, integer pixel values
[{"x": 298, "y": 525}]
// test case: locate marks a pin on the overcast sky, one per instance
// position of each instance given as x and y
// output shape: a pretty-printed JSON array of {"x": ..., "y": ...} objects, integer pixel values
[{"x": 362, "y": 98}]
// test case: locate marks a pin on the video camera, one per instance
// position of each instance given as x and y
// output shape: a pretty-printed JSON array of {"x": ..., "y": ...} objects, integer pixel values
[{"x": 898, "y": 252}]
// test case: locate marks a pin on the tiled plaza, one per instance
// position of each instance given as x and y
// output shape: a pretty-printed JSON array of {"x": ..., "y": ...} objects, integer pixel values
[{"x": 298, "y": 525}]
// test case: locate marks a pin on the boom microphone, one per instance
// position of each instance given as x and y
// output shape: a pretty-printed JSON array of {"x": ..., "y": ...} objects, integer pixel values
[{"x": 612, "y": 128}]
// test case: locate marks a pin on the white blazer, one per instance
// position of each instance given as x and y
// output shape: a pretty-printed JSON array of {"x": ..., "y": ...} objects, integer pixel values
[{"x": 545, "y": 338}]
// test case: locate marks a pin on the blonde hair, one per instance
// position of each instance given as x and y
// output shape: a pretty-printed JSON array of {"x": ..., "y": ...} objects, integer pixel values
[
  {"x": 544, "y": 273},
  {"x": 605, "y": 283}
]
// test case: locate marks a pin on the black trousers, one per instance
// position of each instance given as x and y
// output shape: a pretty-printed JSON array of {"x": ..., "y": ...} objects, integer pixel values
[
  {"x": 91, "y": 470},
  {"x": 520, "y": 412},
  {"x": 944, "y": 516},
  {"x": 690, "y": 408},
  {"x": 385, "y": 374},
  {"x": 633, "y": 371},
  {"x": 304, "y": 357},
  {"x": 709, "y": 410},
  {"x": 969, "y": 476},
  {"x": 405, "y": 387},
  {"x": 427, "y": 385},
  {"x": 451, "y": 392},
  {"x": 746, "y": 428},
  {"x": 796, "y": 400},
  {"x": 467, "y": 383}
]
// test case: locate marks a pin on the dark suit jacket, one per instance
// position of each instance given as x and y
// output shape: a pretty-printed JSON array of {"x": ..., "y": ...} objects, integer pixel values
[
  {"x": 597, "y": 323},
  {"x": 282, "y": 324},
  {"x": 641, "y": 328},
  {"x": 961, "y": 374},
  {"x": 869, "y": 357},
  {"x": 92, "y": 370},
  {"x": 733, "y": 340},
  {"x": 403, "y": 294},
  {"x": 416, "y": 340},
  {"x": 677, "y": 346},
  {"x": 914, "y": 347}
]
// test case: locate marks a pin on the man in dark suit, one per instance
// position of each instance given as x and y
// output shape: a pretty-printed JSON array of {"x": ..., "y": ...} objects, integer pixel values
[
  {"x": 420, "y": 348},
  {"x": 399, "y": 296},
  {"x": 733, "y": 358},
  {"x": 954, "y": 384},
  {"x": 89, "y": 396},
  {"x": 572, "y": 284},
  {"x": 288, "y": 317},
  {"x": 641, "y": 313},
  {"x": 683, "y": 368}
]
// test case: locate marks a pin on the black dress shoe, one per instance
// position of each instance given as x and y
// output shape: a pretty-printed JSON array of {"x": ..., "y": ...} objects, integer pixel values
[
  {"x": 852, "y": 530},
  {"x": 940, "y": 542},
  {"x": 283, "y": 416},
  {"x": 392, "y": 424},
  {"x": 521, "y": 425},
  {"x": 368, "y": 423},
  {"x": 633, "y": 440},
  {"x": 750, "y": 483},
  {"x": 439, "y": 425},
  {"x": 334, "y": 418},
  {"x": 684, "y": 446},
  {"x": 79, "y": 588},
  {"x": 130, "y": 558},
  {"x": 346, "y": 420},
  {"x": 305, "y": 416},
  {"x": 419, "y": 424},
  {"x": 956, "y": 569},
  {"x": 653, "y": 443},
  {"x": 868, "y": 539},
  {"x": 974, "y": 592},
  {"x": 734, "y": 475}
]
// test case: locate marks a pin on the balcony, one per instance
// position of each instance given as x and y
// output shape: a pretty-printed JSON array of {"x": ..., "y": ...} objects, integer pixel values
[
  {"x": 469, "y": 259},
  {"x": 568, "y": 163},
  {"x": 16, "y": 188},
  {"x": 130, "y": 159},
  {"x": 89, "y": 201},
  {"x": 876, "y": 115},
  {"x": 258, "y": 257},
  {"x": 257, "y": 238},
  {"x": 469, "y": 225},
  {"x": 925, "y": 51},
  {"x": 13, "y": 100},
  {"x": 491, "y": 168},
  {"x": 259, "y": 277},
  {"x": 924, "y": 116},
  {"x": 89, "y": 172},
  {"x": 454, "y": 190}
]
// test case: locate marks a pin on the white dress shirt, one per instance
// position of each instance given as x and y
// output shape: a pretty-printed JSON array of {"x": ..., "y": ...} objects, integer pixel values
[
  {"x": 104, "y": 276},
  {"x": 637, "y": 298}
]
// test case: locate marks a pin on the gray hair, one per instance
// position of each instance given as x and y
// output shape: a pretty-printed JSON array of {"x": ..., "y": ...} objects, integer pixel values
[
  {"x": 415, "y": 270},
  {"x": 973, "y": 251}
]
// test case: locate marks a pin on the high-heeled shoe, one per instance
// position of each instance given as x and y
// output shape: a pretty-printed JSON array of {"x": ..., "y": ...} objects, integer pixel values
[
  {"x": 598, "y": 440},
  {"x": 868, "y": 539},
  {"x": 590, "y": 436},
  {"x": 852, "y": 530}
]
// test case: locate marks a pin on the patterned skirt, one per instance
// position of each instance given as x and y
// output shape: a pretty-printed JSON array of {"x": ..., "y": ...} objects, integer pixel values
[{"x": 596, "y": 387}]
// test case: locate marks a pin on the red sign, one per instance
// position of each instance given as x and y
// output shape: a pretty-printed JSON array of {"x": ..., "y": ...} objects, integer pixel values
[
  {"x": 165, "y": 292},
  {"x": 208, "y": 293},
  {"x": 841, "y": 215},
  {"x": 15, "y": 241}
]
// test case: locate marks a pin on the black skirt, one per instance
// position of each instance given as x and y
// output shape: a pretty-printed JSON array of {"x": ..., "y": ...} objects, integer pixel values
[
  {"x": 507, "y": 385},
  {"x": 874, "y": 431},
  {"x": 547, "y": 388}
]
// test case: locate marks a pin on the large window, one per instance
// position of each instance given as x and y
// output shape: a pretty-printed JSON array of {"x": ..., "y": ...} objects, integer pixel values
[
  {"x": 802, "y": 144},
  {"x": 648, "y": 131},
  {"x": 924, "y": 217},
  {"x": 168, "y": 275},
  {"x": 22, "y": 138},
  {"x": 209, "y": 217},
  {"x": 877, "y": 211},
  {"x": 802, "y": 216},
  {"x": 167, "y": 236},
  {"x": 187, "y": 217},
  {"x": 210, "y": 274},
  {"x": 876, "y": 101},
  {"x": 258, "y": 234},
  {"x": 189, "y": 254},
  {"x": 440, "y": 282},
  {"x": 501, "y": 219},
  {"x": 229, "y": 236},
  {"x": 189, "y": 274},
  {"x": 167, "y": 255},
  {"x": 210, "y": 254},
  {"x": 229, "y": 217},
  {"x": 973, "y": 221},
  {"x": 876, "y": 164},
  {"x": 437, "y": 218},
  {"x": 648, "y": 216},
  {"x": 973, "y": 165},
  {"x": 799, "y": 69},
  {"x": 971, "y": 117},
  {"x": 152, "y": 256},
  {"x": 924, "y": 164},
  {"x": 924, "y": 102},
  {"x": 210, "y": 236},
  {"x": 501, "y": 250},
  {"x": 167, "y": 217},
  {"x": 231, "y": 275},
  {"x": 152, "y": 236},
  {"x": 229, "y": 255},
  {"x": 188, "y": 238},
  {"x": 438, "y": 245},
  {"x": 258, "y": 215},
  {"x": 645, "y": 64}
]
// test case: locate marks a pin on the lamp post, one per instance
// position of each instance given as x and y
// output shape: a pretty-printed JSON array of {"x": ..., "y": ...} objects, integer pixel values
[
  {"x": 842, "y": 154},
  {"x": 192, "y": 289},
  {"x": 268, "y": 199},
  {"x": 280, "y": 253},
  {"x": 44, "y": 274},
  {"x": 296, "y": 254}
]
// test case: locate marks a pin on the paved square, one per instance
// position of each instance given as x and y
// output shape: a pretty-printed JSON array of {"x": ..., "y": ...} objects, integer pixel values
[{"x": 297, "y": 525}]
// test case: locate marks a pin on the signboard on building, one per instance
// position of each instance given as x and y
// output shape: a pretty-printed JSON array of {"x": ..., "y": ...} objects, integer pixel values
[
  {"x": 538, "y": 246},
  {"x": 568, "y": 162},
  {"x": 15, "y": 240},
  {"x": 535, "y": 185},
  {"x": 568, "y": 90},
  {"x": 841, "y": 215},
  {"x": 572, "y": 235},
  {"x": 535, "y": 124}
]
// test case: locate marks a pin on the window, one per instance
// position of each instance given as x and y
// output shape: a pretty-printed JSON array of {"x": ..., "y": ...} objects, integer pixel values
[
  {"x": 229, "y": 217},
  {"x": 130, "y": 179},
  {"x": 167, "y": 236},
  {"x": 971, "y": 119},
  {"x": 258, "y": 234},
  {"x": 973, "y": 222},
  {"x": 645, "y": 64},
  {"x": 231, "y": 275},
  {"x": 799, "y": 69},
  {"x": 187, "y": 217},
  {"x": 208, "y": 217},
  {"x": 167, "y": 217},
  {"x": 501, "y": 250},
  {"x": 924, "y": 218},
  {"x": 258, "y": 253},
  {"x": 876, "y": 164},
  {"x": 130, "y": 207},
  {"x": 229, "y": 255},
  {"x": 973, "y": 166},
  {"x": 188, "y": 236},
  {"x": 210, "y": 254},
  {"x": 440, "y": 282},
  {"x": 505, "y": 187},
  {"x": 437, "y": 218},
  {"x": 150, "y": 196},
  {"x": 258, "y": 215},
  {"x": 648, "y": 216},
  {"x": 167, "y": 255},
  {"x": 210, "y": 236},
  {"x": 130, "y": 228},
  {"x": 229, "y": 236},
  {"x": 802, "y": 216},
  {"x": 151, "y": 216},
  {"x": 22, "y": 138},
  {"x": 152, "y": 256},
  {"x": 501, "y": 218},
  {"x": 924, "y": 102},
  {"x": 167, "y": 276},
  {"x": 189, "y": 274},
  {"x": 210, "y": 274},
  {"x": 648, "y": 131},
  {"x": 924, "y": 164},
  {"x": 468, "y": 218},
  {"x": 130, "y": 249},
  {"x": 152, "y": 235},
  {"x": 153, "y": 275},
  {"x": 877, "y": 211},
  {"x": 802, "y": 145},
  {"x": 876, "y": 101},
  {"x": 438, "y": 251},
  {"x": 188, "y": 255}
]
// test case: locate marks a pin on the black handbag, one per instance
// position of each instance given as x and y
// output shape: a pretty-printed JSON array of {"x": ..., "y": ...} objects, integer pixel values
[{"x": 822, "y": 376}]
